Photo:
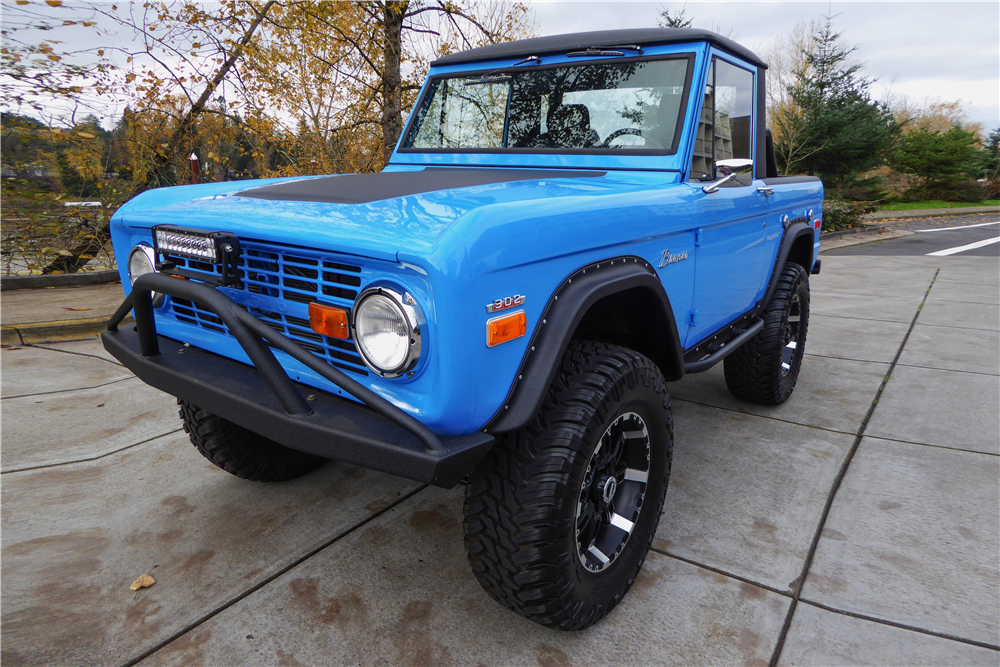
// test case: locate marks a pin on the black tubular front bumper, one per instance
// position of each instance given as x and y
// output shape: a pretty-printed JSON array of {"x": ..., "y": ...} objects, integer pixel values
[{"x": 375, "y": 435}]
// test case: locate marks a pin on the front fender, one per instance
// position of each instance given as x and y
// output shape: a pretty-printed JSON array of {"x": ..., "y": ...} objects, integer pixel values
[{"x": 560, "y": 319}]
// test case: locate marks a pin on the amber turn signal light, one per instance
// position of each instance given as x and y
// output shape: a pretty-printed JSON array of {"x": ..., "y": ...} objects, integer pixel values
[
  {"x": 329, "y": 321},
  {"x": 502, "y": 329}
]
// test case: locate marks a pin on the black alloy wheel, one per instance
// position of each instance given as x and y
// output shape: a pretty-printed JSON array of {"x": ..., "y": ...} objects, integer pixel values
[
  {"x": 790, "y": 350},
  {"x": 614, "y": 488}
]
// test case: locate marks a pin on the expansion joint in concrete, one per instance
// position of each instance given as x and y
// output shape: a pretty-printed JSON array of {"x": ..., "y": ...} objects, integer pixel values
[
  {"x": 866, "y": 319},
  {"x": 799, "y": 583},
  {"x": 46, "y": 466},
  {"x": 725, "y": 573},
  {"x": 768, "y": 417},
  {"x": 950, "y": 370},
  {"x": 944, "y": 447},
  {"x": 79, "y": 354},
  {"x": 902, "y": 626},
  {"x": 818, "y": 605},
  {"x": 63, "y": 391},
  {"x": 264, "y": 582}
]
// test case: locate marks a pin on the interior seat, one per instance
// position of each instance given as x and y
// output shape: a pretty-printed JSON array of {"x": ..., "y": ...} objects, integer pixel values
[{"x": 569, "y": 127}]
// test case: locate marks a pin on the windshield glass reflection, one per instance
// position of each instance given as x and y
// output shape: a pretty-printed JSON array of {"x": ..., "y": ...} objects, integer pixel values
[{"x": 611, "y": 106}]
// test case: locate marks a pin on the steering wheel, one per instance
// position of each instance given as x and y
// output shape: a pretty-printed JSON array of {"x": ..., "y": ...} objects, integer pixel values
[
  {"x": 618, "y": 133},
  {"x": 649, "y": 141}
]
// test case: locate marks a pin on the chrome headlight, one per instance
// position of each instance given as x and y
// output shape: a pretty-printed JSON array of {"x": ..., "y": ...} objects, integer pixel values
[
  {"x": 387, "y": 330},
  {"x": 142, "y": 260}
]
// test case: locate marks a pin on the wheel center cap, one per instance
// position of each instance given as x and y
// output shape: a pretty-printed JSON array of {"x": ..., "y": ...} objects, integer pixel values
[{"x": 608, "y": 487}]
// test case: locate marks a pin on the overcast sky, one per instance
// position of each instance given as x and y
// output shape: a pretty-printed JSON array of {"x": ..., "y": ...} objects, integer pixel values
[
  {"x": 925, "y": 50},
  {"x": 943, "y": 50}
]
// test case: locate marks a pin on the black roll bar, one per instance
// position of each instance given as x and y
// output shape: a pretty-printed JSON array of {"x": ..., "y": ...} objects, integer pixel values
[{"x": 251, "y": 334}]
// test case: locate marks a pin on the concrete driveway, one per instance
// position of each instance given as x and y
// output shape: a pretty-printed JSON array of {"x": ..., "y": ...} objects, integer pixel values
[{"x": 856, "y": 524}]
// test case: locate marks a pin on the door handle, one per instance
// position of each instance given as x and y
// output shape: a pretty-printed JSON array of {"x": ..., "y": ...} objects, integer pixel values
[{"x": 767, "y": 192}]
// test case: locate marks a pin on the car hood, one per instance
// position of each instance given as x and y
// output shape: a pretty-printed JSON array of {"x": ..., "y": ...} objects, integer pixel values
[{"x": 372, "y": 215}]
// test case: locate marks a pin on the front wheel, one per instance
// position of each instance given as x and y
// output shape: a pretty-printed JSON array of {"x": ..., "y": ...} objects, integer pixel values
[
  {"x": 560, "y": 515},
  {"x": 765, "y": 368}
]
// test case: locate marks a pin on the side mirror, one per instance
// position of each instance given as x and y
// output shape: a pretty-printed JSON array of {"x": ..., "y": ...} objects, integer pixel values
[{"x": 738, "y": 170}]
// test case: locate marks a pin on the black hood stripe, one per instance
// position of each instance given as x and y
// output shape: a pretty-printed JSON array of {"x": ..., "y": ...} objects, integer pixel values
[{"x": 365, "y": 188}]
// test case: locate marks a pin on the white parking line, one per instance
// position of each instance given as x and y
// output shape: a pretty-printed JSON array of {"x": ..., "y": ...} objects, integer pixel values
[
  {"x": 948, "y": 229},
  {"x": 963, "y": 248}
]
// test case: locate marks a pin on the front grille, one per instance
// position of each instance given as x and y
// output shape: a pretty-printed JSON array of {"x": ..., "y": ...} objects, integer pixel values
[{"x": 295, "y": 276}]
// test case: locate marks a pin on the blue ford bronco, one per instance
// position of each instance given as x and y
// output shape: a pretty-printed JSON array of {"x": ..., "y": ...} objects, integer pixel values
[{"x": 567, "y": 224}]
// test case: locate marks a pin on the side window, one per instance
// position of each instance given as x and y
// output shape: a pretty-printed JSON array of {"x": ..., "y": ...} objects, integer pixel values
[
  {"x": 725, "y": 128},
  {"x": 701, "y": 161}
]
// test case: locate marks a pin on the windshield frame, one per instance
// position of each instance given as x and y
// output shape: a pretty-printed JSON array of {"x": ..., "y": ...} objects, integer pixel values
[{"x": 428, "y": 87}]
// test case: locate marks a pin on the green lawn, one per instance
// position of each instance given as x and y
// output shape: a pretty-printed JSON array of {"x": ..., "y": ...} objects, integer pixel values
[{"x": 936, "y": 203}]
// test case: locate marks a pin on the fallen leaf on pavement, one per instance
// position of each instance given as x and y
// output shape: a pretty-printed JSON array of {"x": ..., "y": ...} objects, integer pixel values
[
  {"x": 145, "y": 581},
  {"x": 76, "y": 308}
]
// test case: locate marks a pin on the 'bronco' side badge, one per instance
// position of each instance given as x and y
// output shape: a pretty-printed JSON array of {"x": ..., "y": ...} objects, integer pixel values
[
  {"x": 670, "y": 259},
  {"x": 505, "y": 303}
]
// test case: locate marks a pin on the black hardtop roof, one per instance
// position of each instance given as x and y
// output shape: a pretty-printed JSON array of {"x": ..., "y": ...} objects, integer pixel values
[{"x": 577, "y": 41}]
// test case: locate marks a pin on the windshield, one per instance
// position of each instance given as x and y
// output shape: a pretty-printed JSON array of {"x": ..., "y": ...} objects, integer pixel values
[{"x": 597, "y": 107}]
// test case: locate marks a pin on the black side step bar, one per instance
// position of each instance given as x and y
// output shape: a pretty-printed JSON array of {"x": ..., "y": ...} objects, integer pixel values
[{"x": 726, "y": 349}]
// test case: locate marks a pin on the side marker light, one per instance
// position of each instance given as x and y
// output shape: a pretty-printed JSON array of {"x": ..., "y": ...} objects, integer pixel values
[
  {"x": 505, "y": 328},
  {"x": 329, "y": 321}
]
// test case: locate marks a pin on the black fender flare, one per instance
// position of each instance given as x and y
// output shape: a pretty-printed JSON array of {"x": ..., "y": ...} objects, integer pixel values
[
  {"x": 560, "y": 318},
  {"x": 795, "y": 230}
]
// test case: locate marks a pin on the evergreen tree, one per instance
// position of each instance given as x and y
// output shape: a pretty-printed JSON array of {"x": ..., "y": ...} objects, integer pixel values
[
  {"x": 937, "y": 157},
  {"x": 991, "y": 155},
  {"x": 838, "y": 129},
  {"x": 677, "y": 19}
]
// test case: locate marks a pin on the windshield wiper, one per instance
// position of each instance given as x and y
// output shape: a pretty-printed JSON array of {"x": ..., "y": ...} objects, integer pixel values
[
  {"x": 489, "y": 78},
  {"x": 530, "y": 59},
  {"x": 605, "y": 51}
]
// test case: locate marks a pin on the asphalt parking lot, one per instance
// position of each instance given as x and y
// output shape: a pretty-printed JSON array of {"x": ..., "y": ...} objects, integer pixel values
[
  {"x": 968, "y": 236},
  {"x": 859, "y": 523}
]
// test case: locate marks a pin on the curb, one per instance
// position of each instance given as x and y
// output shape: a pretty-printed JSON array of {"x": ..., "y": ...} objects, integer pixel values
[
  {"x": 59, "y": 280},
  {"x": 931, "y": 212},
  {"x": 869, "y": 228},
  {"x": 52, "y": 332},
  {"x": 880, "y": 221},
  {"x": 861, "y": 239}
]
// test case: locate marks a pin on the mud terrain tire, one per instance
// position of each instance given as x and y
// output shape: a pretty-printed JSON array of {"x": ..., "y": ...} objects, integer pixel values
[
  {"x": 765, "y": 368},
  {"x": 241, "y": 452},
  {"x": 537, "y": 496}
]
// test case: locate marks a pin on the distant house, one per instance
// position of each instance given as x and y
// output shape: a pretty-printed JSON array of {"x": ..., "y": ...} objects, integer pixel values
[{"x": 29, "y": 174}]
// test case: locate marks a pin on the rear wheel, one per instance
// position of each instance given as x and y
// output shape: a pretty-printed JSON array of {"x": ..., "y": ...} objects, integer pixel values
[
  {"x": 241, "y": 452},
  {"x": 560, "y": 515},
  {"x": 765, "y": 368}
]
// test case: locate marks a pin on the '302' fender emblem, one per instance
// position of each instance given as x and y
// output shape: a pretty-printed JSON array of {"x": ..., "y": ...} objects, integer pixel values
[
  {"x": 505, "y": 303},
  {"x": 670, "y": 259}
]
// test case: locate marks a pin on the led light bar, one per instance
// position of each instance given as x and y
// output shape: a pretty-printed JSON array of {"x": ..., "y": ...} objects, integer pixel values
[
  {"x": 220, "y": 248},
  {"x": 188, "y": 243}
]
